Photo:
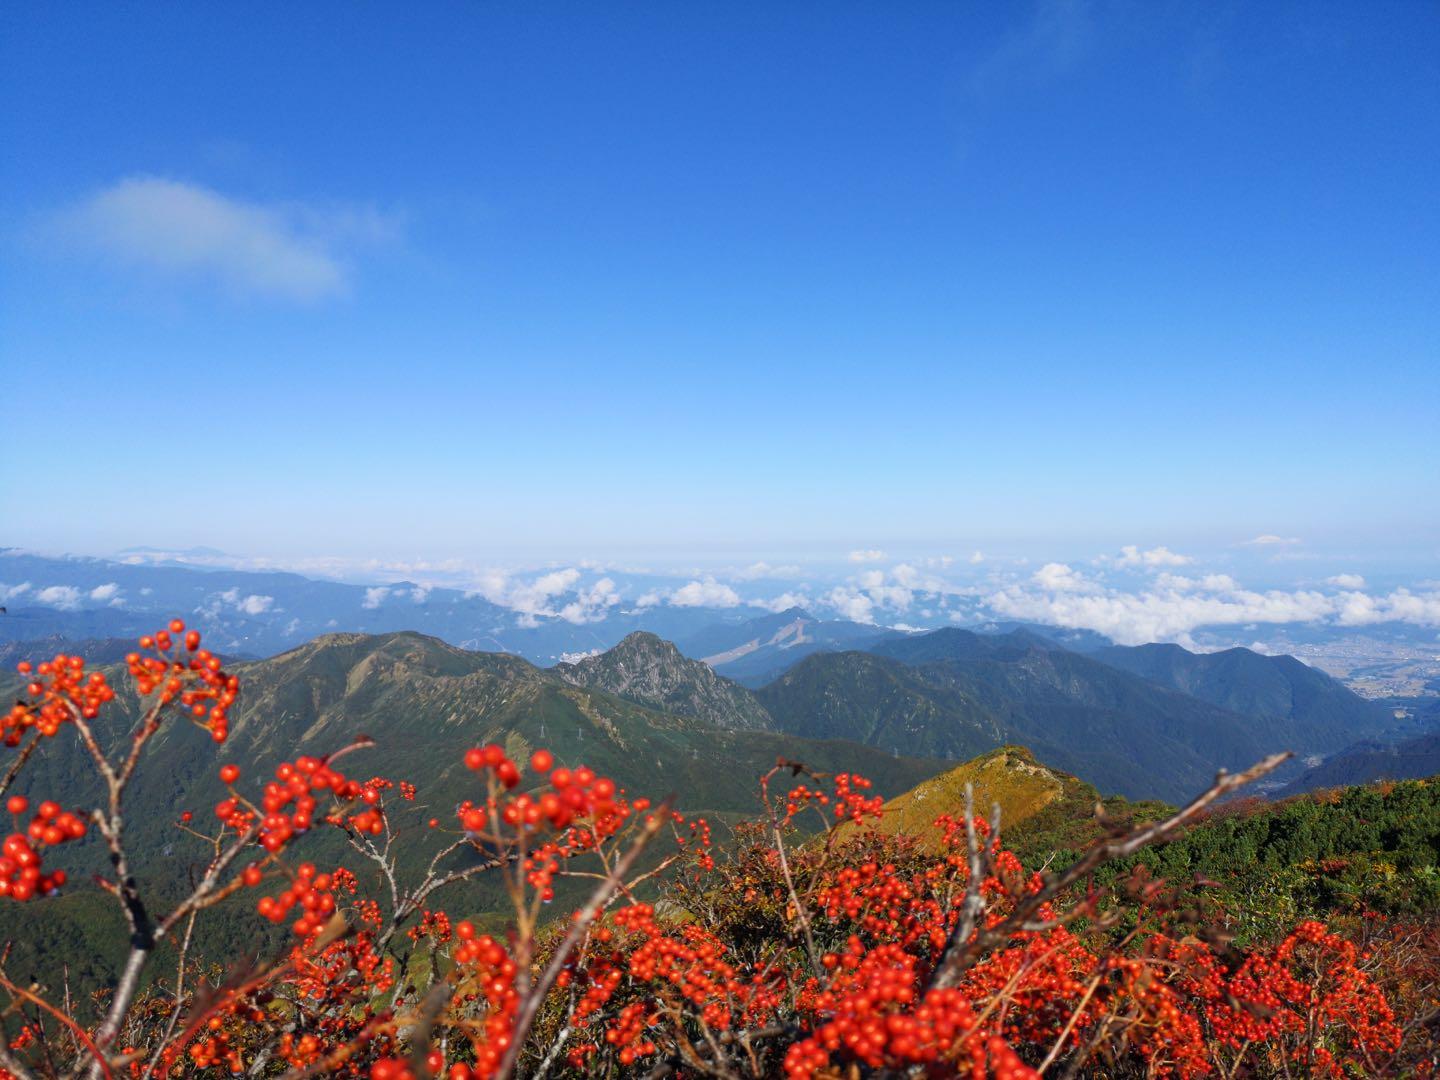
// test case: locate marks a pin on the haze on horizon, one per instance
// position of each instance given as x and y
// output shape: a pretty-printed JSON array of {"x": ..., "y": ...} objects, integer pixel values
[{"x": 1045, "y": 280}]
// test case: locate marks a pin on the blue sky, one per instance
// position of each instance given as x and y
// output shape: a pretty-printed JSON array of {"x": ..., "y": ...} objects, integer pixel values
[{"x": 726, "y": 281}]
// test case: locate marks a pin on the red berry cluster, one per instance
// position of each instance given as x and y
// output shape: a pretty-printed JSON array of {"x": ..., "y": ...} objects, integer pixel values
[
  {"x": 21, "y": 877},
  {"x": 59, "y": 690},
  {"x": 194, "y": 678},
  {"x": 313, "y": 893},
  {"x": 289, "y": 802},
  {"x": 493, "y": 970}
]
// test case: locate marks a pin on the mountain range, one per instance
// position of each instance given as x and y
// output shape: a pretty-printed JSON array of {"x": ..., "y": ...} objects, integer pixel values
[
  {"x": 954, "y": 693},
  {"x": 1150, "y": 720},
  {"x": 1160, "y": 730},
  {"x": 425, "y": 702}
]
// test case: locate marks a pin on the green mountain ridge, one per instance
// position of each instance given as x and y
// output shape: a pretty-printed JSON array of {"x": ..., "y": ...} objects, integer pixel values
[
  {"x": 878, "y": 701},
  {"x": 424, "y": 702},
  {"x": 1045, "y": 813},
  {"x": 651, "y": 671}
]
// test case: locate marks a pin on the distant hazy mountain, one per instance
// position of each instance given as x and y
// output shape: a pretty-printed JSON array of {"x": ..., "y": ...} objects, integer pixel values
[
  {"x": 94, "y": 651},
  {"x": 1301, "y": 706},
  {"x": 1413, "y": 759},
  {"x": 753, "y": 651},
  {"x": 32, "y": 622},
  {"x": 954, "y": 643},
  {"x": 958, "y": 694},
  {"x": 653, "y": 672}
]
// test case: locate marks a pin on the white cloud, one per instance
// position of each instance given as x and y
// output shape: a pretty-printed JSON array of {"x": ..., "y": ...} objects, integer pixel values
[
  {"x": 906, "y": 575},
  {"x": 1174, "y": 606},
  {"x": 1061, "y": 578},
  {"x": 892, "y": 596},
  {"x": 534, "y": 597},
  {"x": 420, "y": 593},
  {"x": 185, "y": 230},
  {"x": 867, "y": 555},
  {"x": 576, "y": 657},
  {"x": 251, "y": 604},
  {"x": 592, "y": 604},
  {"x": 256, "y": 605},
  {"x": 374, "y": 597},
  {"x": 895, "y": 591},
  {"x": 1209, "y": 582},
  {"x": 699, "y": 594},
  {"x": 976, "y": 558},
  {"x": 103, "y": 593},
  {"x": 64, "y": 597},
  {"x": 1271, "y": 540},
  {"x": 531, "y": 598},
  {"x": 1346, "y": 581},
  {"x": 1401, "y": 605},
  {"x": 10, "y": 592},
  {"x": 784, "y": 602},
  {"x": 898, "y": 595},
  {"x": 1131, "y": 555},
  {"x": 851, "y": 604},
  {"x": 707, "y": 593}
]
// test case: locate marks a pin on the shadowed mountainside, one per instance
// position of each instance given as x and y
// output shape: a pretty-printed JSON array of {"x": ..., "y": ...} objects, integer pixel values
[
  {"x": 1300, "y": 705},
  {"x": 962, "y": 694}
]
